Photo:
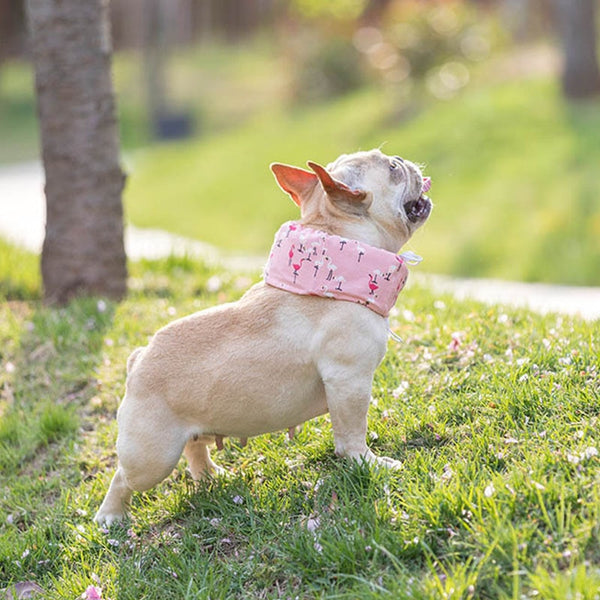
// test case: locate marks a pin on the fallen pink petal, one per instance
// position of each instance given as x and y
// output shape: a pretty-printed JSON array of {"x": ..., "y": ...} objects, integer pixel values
[
  {"x": 92, "y": 592},
  {"x": 24, "y": 589}
]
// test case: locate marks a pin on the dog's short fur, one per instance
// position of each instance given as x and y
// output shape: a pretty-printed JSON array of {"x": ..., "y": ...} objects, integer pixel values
[{"x": 273, "y": 359}]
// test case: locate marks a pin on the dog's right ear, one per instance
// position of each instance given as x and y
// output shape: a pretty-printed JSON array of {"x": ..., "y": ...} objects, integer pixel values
[{"x": 295, "y": 181}]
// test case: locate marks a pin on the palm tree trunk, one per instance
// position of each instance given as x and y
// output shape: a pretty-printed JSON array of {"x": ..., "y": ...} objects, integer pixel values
[{"x": 83, "y": 250}]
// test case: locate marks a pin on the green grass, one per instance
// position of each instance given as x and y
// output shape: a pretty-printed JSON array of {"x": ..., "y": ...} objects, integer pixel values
[
  {"x": 220, "y": 188},
  {"x": 513, "y": 168},
  {"x": 19, "y": 271},
  {"x": 218, "y": 85},
  {"x": 513, "y": 165},
  {"x": 18, "y": 126},
  {"x": 494, "y": 413}
]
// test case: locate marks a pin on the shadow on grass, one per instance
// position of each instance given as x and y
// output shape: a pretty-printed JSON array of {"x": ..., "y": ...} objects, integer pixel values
[
  {"x": 61, "y": 374},
  {"x": 269, "y": 531}
]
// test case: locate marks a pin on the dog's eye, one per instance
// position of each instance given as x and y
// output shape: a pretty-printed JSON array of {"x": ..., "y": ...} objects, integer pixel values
[{"x": 395, "y": 163}]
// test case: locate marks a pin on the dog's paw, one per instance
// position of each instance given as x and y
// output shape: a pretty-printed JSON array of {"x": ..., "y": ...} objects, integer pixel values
[
  {"x": 106, "y": 518},
  {"x": 388, "y": 463},
  {"x": 218, "y": 472},
  {"x": 377, "y": 461},
  {"x": 211, "y": 472}
]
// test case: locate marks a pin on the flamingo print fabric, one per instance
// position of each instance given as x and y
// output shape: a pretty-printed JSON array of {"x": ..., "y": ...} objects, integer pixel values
[{"x": 311, "y": 262}]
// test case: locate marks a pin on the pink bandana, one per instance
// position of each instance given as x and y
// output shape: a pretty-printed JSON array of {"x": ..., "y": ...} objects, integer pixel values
[{"x": 310, "y": 262}]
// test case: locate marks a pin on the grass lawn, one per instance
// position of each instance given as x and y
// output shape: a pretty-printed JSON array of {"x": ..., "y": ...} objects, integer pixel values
[
  {"x": 514, "y": 178},
  {"x": 514, "y": 167},
  {"x": 218, "y": 85},
  {"x": 494, "y": 413}
]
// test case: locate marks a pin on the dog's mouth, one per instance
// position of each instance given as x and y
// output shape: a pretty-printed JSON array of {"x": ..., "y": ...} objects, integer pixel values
[{"x": 419, "y": 209}]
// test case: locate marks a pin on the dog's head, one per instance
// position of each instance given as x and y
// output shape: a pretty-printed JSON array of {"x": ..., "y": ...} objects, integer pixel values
[{"x": 367, "y": 195}]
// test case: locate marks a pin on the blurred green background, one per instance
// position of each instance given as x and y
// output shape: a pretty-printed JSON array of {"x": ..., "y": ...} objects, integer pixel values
[{"x": 210, "y": 92}]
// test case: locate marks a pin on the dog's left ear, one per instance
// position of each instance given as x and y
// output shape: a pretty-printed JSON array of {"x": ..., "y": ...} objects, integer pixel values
[
  {"x": 296, "y": 182},
  {"x": 354, "y": 200}
]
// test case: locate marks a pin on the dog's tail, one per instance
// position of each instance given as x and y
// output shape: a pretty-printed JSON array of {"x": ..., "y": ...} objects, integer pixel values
[{"x": 133, "y": 358}]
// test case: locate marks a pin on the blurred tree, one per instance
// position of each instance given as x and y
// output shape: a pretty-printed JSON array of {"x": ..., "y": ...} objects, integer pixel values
[
  {"x": 154, "y": 58},
  {"x": 11, "y": 28},
  {"x": 374, "y": 11},
  {"x": 83, "y": 250},
  {"x": 576, "y": 20}
]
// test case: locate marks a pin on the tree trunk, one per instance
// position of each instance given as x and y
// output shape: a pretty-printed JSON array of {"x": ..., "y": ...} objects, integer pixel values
[
  {"x": 577, "y": 25},
  {"x": 83, "y": 250}
]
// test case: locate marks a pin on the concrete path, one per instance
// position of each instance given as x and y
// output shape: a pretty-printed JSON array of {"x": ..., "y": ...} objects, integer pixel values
[
  {"x": 540, "y": 297},
  {"x": 22, "y": 219}
]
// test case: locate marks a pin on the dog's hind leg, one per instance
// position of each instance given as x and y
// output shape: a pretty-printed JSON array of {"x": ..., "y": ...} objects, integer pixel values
[
  {"x": 198, "y": 456},
  {"x": 149, "y": 445}
]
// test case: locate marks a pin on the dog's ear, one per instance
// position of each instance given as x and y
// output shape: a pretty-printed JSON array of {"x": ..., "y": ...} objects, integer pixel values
[
  {"x": 340, "y": 192},
  {"x": 295, "y": 181}
]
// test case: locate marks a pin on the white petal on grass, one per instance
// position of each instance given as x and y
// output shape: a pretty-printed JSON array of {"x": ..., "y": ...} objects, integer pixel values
[
  {"x": 214, "y": 283},
  {"x": 312, "y": 524},
  {"x": 401, "y": 389}
]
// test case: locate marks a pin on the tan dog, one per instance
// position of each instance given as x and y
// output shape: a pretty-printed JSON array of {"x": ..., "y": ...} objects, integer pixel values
[{"x": 273, "y": 359}]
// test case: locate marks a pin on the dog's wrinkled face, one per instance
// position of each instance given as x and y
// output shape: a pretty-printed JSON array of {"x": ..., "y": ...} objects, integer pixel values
[
  {"x": 360, "y": 194},
  {"x": 395, "y": 185}
]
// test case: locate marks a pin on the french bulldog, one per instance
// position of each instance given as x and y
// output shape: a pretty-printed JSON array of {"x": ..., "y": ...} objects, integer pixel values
[{"x": 303, "y": 342}]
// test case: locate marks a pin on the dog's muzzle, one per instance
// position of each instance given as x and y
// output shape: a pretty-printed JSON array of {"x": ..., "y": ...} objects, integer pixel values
[{"x": 419, "y": 210}]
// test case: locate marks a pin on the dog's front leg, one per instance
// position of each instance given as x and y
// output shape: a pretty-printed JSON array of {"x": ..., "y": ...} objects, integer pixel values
[
  {"x": 348, "y": 403},
  {"x": 116, "y": 500}
]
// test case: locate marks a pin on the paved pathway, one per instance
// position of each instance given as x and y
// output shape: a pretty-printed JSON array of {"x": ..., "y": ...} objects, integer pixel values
[{"x": 22, "y": 218}]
